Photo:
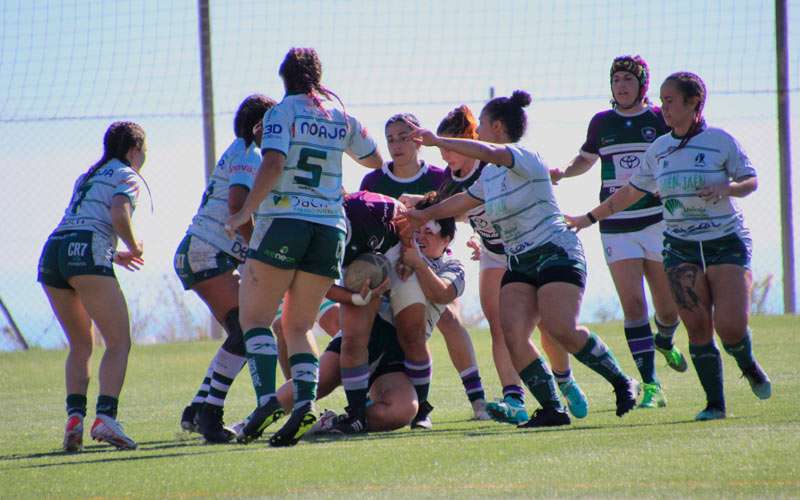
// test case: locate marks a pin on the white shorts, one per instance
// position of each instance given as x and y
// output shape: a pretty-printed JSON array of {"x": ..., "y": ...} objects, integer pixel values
[
  {"x": 491, "y": 260},
  {"x": 402, "y": 293},
  {"x": 645, "y": 244}
]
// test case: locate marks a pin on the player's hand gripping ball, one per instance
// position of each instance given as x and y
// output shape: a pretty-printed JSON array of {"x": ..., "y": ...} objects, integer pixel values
[{"x": 372, "y": 266}]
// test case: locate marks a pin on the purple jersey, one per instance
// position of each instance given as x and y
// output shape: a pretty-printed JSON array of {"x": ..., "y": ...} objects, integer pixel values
[
  {"x": 369, "y": 224},
  {"x": 383, "y": 180}
]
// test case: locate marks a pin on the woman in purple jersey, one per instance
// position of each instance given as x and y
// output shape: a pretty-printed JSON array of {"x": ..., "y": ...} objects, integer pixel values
[
  {"x": 76, "y": 273},
  {"x": 633, "y": 240}
]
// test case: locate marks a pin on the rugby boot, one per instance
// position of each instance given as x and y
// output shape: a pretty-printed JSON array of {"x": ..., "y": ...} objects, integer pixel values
[
  {"x": 110, "y": 430},
  {"x": 298, "y": 423},
  {"x": 547, "y": 417}
]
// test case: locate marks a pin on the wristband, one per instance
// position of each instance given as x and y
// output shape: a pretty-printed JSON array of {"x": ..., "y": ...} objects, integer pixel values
[
  {"x": 358, "y": 300},
  {"x": 591, "y": 217}
]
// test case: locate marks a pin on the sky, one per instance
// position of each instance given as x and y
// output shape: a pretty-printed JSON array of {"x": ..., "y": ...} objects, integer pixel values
[{"x": 69, "y": 68}]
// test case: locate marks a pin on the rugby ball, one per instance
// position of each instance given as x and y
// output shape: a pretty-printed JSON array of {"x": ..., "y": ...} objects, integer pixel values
[{"x": 372, "y": 266}]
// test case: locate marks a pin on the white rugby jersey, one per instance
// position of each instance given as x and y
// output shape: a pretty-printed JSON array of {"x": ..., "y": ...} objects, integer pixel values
[
  {"x": 710, "y": 157},
  {"x": 237, "y": 166},
  {"x": 446, "y": 267},
  {"x": 313, "y": 140},
  {"x": 90, "y": 206},
  {"x": 519, "y": 201}
]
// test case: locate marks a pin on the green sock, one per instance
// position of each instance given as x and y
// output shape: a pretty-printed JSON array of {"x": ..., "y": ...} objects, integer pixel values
[
  {"x": 76, "y": 404},
  {"x": 540, "y": 382},
  {"x": 708, "y": 363},
  {"x": 742, "y": 352},
  {"x": 262, "y": 358},
  {"x": 599, "y": 358},
  {"x": 107, "y": 405},
  {"x": 305, "y": 375}
]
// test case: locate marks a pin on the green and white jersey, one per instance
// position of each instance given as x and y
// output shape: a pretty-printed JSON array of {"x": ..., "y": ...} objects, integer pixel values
[
  {"x": 519, "y": 201},
  {"x": 620, "y": 142},
  {"x": 237, "y": 166},
  {"x": 710, "y": 157},
  {"x": 313, "y": 137},
  {"x": 90, "y": 206}
]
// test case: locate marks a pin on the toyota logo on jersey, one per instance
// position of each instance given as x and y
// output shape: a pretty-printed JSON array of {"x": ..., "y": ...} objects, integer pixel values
[{"x": 629, "y": 161}]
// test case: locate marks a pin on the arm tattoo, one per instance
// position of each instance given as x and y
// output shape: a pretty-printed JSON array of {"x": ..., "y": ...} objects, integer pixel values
[
  {"x": 611, "y": 208},
  {"x": 682, "y": 280}
]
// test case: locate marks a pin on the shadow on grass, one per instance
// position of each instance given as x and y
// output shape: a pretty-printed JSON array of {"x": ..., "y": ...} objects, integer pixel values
[
  {"x": 135, "y": 455},
  {"x": 493, "y": 429},
  {"x": 94, "y": 449}
]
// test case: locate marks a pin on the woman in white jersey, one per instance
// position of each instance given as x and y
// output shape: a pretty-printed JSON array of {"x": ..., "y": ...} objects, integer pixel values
[
  {"x": 298, "y": 239},
  {"x": 546, "y": 271},
  {"x": 633, "y": 239},
  {"x": 697, "y": 171},
  {"x": 487, "y": 247},
  {"x": 75, "y": 270},
  {"x": 206, "y": 261}
]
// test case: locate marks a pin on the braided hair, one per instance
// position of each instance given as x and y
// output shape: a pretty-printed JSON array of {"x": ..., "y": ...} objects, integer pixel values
[
  {"x": 250, "y": 112},
  {"x": 510, "y": 112},
  {"x": 301, "y": 71},
  {"x": 637, "y": 66},
  {"x": 690, "y": 85},
  {"x": 459, "y": 122}
]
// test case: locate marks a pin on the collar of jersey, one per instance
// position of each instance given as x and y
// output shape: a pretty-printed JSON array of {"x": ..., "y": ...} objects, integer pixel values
[
  {"x": 422, "y": 169},
  {"x": 700, "y": 129},
  {"x": 471, "y": 171}
]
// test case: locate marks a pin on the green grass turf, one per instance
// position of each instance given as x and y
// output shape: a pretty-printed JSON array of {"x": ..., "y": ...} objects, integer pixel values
[{"x": 755, "y": 452}]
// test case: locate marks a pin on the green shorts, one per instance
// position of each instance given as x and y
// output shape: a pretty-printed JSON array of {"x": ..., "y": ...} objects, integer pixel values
[
  {"x": 74, "y": 253},
  {"x": 384, "y": 352},
  {"x": 298, "y": 244},
  {"x": 730, "y": 249},
  {"x": 196, "y": 261},
  {"x": 560, "y": 260}
]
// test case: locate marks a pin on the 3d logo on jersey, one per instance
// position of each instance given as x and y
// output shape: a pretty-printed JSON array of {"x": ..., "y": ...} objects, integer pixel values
[
  {"x": 629, "y": 161},
  {"x": 273, "y": 129},
  {"x": 323, "y": 131},
  {"x": 649, "y": 134}
]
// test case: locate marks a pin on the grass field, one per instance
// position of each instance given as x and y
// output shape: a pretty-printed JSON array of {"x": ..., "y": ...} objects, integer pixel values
[{"x": 654, "y": 453}]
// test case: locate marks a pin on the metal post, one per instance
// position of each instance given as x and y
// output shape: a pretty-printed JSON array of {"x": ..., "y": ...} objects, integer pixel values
[
  {"x": 207, "y": 94},
  {"x": 13, "y": 325},
  {"x": 785, "y": 156}
]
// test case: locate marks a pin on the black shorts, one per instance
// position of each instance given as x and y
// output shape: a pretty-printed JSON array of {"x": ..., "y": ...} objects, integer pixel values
[{"x": 385, "y": 354}]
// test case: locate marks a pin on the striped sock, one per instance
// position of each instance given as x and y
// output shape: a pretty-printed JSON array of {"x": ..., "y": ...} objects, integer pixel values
[
  {"x": 563, "y": 377},
  {"x": 76, "y": 404},
  {"x": 305, "y": 375},
  {"x": 664, "y": 337},
  {"x": 471, "y": 379},
  {"x": 226, "y": 367},
  {"x": 708, "y": 364},
  {"x": 514, "y": 391},
  {"x": 202, "y": 393},
  {"x": 262, "y": 358},
  {"x": 420, "y": 375},
  {"x": 356, "y": 385},
  {"x": 596, "y": 355},
  {"x": 642, "y": 346},
  {"x": 540, "y": 382}
]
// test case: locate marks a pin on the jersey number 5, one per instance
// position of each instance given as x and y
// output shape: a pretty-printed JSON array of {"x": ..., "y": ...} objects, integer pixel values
[{"x": 315, "y": 170}]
